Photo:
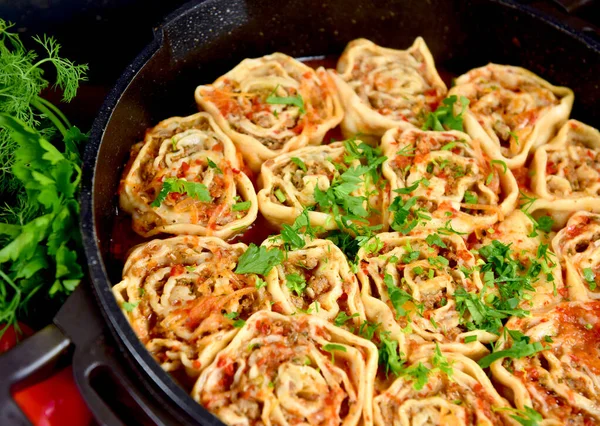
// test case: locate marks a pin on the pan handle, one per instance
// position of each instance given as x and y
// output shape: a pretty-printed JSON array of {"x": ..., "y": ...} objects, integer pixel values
[
  {"x": 106, "y": 386},
  {"x": 21, "y": 363},
  {"x": 109, "y": 393}
]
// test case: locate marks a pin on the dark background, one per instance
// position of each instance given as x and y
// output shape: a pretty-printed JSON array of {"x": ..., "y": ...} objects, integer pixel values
[{"x": 105, "y": 34}]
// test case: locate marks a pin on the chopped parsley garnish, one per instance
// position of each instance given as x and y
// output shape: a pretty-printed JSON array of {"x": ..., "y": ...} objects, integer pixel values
[
  {"x": 258, "y": 260},
  {"x": 280, "y": 195},
  {"x": 367, "y": 155},
  {"x": 520, "y": 348},
  {"x": 443, "y": 118},
  {"x": 260, "y": 283},
  {"x": 435, "y": 240},
  {"x": 470, "y": 339},
  {"x": 195, "y": 190},
  {"x": 295, "y": 283},
  {"x": 213, "y": 165},
  {"x": 502, "y": 163},
  {"x": 471, "y": 197},
  {"x": 332, "y": 347},
  {"x": 397, "y": 296},
  {"x": 237, "y": 322},
  {"x": 290, "y": 235},
  {"x": 367, "y": 329},
  {"x": 420, "y": 374},
  {"x": 389, "y": 357},
  {"x": 441, "y": 362},
  {"x": 296, "y": 100},
  {"x": 243, "y": 206},
  {"x": 130, "y": 306},
  {"x": 401, "y": 211},
  {"x": 528, "y": 416},
  {"x": 590, "y": 278},
  {"x": 543, "y": 223},
  {"x": 298, "y": 162},
  {"x": 438, "y": 262},
  {"x": 411, "y": 188},
  {"x": 342, "y": 318}
]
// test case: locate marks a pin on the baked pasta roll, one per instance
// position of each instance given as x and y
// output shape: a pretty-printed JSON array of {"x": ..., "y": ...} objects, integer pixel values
[
  {"x": 409, "y": 286},
  {"x": 578, "y": 251},
  {"x": 291, "y": 180},
  {"x": 511, "y": 110},
  {"x": 561, "y": 379},
  {"x": 282, "y": 370},
  {"x": 271, "y": 105},
  {"x": 185, "y": 178},
  {"x": 183, "y": 299},
  {"x": 443, "y": 179},
  {"x": 444, "y": 389},
  {"x": 526, "y": 269},
  {"x": 565, "y": 174},
  {"x": 383, "y": 88},
  {"x": 315, "y": 279}
]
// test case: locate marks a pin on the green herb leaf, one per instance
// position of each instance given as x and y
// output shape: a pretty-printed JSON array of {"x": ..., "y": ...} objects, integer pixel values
[
  {"x": 397, "y": 296},
  {"x": 332, "y": 347},
  {"x": 389, "y": 357},
  {"x": 420, "y": 374},
  {"x": 441, "y": 362},
  {"x": 243, "y": 206},
  {"x": 194, "y": 190},
  {"x": 296, "y": 100},
  {"x": 471, "y": 198},
  {"x": 129, "y": 306},
  {"x": 590, "y": 278},
  {"x": 213, "y": 165},
  {"x": 342, "y": 318},
  {"x": 435, "y": 240},
  {"x": 295, "y": 283},
  {"x": 528, "y": 417},
  {"x": 298, "y": 162},
  {"x": 502, "y": 163},
  {"x": 280, "y": 195},
  {"x": 258, "y": 260},
  {"x": 444, "y": 119},
  {"x": 521, "y": 348},
  {"x": 260, "y": 283}
]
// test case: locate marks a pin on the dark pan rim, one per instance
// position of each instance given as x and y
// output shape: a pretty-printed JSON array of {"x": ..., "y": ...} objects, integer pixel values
[{"x": 101, "y": 285}]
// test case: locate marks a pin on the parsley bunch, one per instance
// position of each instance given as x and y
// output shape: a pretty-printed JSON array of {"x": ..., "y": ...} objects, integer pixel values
[{"x": 40, "y": 172}]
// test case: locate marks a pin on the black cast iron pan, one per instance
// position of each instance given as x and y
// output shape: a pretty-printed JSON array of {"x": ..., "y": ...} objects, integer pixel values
[{"x": 197, "y": 43}]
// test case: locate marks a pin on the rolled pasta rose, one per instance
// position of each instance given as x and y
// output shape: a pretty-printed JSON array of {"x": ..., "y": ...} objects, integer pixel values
[
  {"x": 443, "y": 179},
  {"x": 282, "y": 370},
  {"x": 578, "y": 249},
  {"x": 316, "y": 279},
  {"x": 537, "y": 268},
  {"x": 189, "y": 149},
  {"x": 465, "y": 397},
  {"x": 176, "y": 292},
  {"x": 271, "y": 105},
  {"x": 384, "y": 88},
  {"x": 409, "y": 285},
  {"x": 511, "y": 110},
  {"x": 562, "y": 382},
  {"x": 565, "y": 174},
  {"x": 291, "y": 179}
]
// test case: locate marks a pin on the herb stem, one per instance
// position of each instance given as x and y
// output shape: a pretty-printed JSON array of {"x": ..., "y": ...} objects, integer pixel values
[
  {"x": 56, "y": 111},
  {"x": 49, "y": 114}
]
